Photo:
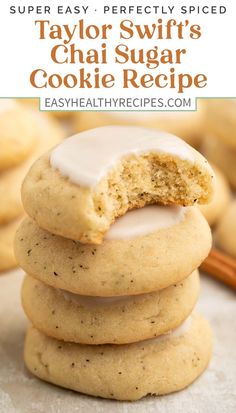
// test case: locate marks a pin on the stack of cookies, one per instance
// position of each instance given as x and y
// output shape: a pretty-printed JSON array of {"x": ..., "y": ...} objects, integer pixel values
[
  {"x": 25, "y": 134},
  {"x": 111, "y": 249}
]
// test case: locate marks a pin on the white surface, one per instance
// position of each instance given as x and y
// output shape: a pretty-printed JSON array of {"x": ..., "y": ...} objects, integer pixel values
[{"x": 213, "y": 392}]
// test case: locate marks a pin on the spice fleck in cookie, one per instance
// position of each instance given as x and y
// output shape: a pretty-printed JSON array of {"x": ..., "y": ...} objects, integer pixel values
[
  {"x": 117, "y": 320},
  {"x": 79, "y": 188},
  {"x": 18, "y": 133},
  {"x": 129, "y": 372},
  {"x": 145, "y": 250}
]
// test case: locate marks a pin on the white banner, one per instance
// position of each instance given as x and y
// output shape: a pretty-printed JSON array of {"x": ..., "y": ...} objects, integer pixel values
[{"x": 108, "y": 55}]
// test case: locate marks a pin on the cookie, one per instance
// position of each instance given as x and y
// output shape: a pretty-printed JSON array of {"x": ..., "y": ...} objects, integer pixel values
[
  {"x": 49, "y": 134},
  {"x": 222, "y": 156},
  {"x": 187, "y": 125},
  {"x": 221, "y": 120},
  {"x": 127, "y": 372},
  {"x": 225, "y": 235},
  {"x": 18, "y": 135},
  {"x": 7, "y": 234},
  {"x": 117, "y": 320},
  {"x": 34, "y": 103},
  {"x": 221, "y": 198},
  {"x": 79, "y": 188},
  {"x": 135, "y": 258}
]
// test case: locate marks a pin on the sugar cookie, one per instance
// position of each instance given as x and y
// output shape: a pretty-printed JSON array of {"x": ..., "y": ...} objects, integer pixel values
[
  {"x": 221, "y": 198},
  {"x": 225, "y": 234},
  {"x": 18, "y": 135},
  {"x": 80, "y": 187},
  {"x": 7, "y": 234},
  {"x": 126, "y": 266},
  {"x": 60, "y": 115},
  {"x": 222, "y": 156},
  {"x": 50, "y": 133},
  {"x": 129, "y": 372},
  {"x": 221, "y": 120},
  {"x": 117, "y": 320}
]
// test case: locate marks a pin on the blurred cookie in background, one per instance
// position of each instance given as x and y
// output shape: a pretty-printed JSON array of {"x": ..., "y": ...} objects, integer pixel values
[
  {"x": 219, "y": 144},
  {"x": 7, "y": 235},
  {"x": 187, "y": 125},
  {"x": 18, "y": 133},
  {"x": 222, "y": 156},
  {"x": 10, "y": 184},
  {"x": 48, "y": 132},
  {"x": 221, "y": 198},
  {"x": 225, "y": 235},
  {"x": 221, "y": 120},
  {"x": 34, "y": 104}
]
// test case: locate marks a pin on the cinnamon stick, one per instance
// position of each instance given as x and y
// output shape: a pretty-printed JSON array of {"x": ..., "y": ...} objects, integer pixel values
[{"x": 220, "y": 266}]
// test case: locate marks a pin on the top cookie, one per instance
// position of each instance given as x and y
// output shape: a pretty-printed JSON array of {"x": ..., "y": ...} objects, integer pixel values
[
  {"x": 18, "y": 133},
  {"x": 80, "y": 187}
]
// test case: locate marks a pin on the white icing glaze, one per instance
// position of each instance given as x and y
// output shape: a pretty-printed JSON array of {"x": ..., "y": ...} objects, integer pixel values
[
  {"x": 7, "y": 104},
  {"x": 143, "y": 221},
  {"x": 86, "y": 157},
  {"x": 88, "y": 300}
]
